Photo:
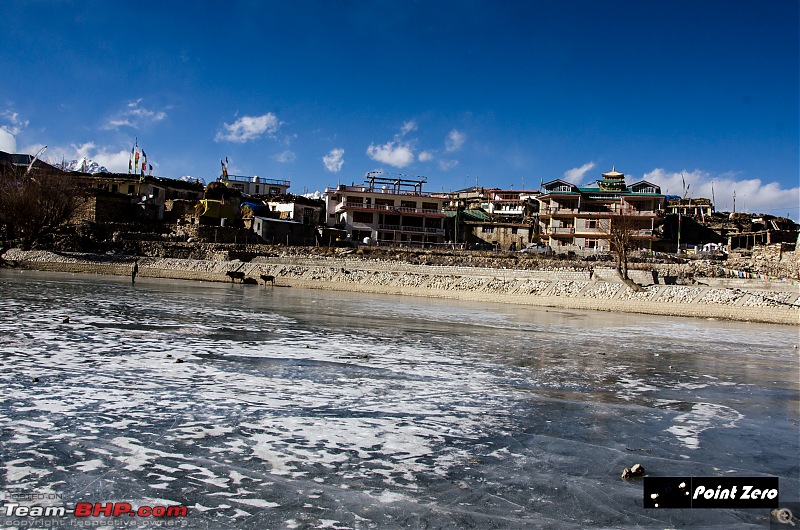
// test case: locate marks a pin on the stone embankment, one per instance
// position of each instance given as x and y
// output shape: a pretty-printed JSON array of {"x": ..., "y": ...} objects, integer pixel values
[{"x": 563, "y": 287}]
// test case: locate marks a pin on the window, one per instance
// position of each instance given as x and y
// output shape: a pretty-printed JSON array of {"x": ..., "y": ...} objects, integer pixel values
[
  {"x": 354, "y": 199},
  {"x": 488, "y": 230},
  {"x": 408, "y": 204},
  {"x": 363, "y": 217},
  {"x": 257, "y": 189},
  {"x": 131, "y": 189},
  {"x": 591, "y": 223},
  {"x": 430, "y": 206}
]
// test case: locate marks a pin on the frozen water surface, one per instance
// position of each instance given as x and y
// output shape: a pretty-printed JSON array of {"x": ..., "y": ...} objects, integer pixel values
[{"x": 309, "y": 409}]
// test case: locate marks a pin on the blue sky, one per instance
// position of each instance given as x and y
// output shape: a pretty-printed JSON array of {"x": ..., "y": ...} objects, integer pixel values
[{"x": 505, "y": 94}]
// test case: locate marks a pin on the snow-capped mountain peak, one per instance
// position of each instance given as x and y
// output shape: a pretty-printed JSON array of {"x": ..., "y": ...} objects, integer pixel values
[{"x": 77, "y": 165}]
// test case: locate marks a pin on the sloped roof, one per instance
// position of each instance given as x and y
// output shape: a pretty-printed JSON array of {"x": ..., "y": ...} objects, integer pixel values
[
  {"x": 23, "y": 160},
  {"x": 468, "y": 215}
]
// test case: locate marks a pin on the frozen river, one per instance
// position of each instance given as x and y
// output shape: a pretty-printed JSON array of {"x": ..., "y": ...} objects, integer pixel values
[{"x": 307, "y": 409}]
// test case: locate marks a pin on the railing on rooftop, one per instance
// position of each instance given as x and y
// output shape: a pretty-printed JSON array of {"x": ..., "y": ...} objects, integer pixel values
[
  {"x": 388, "y": 191},
  {"x": 256, "y": 180}
]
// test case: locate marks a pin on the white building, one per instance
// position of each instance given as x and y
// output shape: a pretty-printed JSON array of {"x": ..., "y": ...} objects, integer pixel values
[
  {"x": 256, "y": 185},
  {"x": 388, "y": 211},
  {"x": 581, "y": 217}
]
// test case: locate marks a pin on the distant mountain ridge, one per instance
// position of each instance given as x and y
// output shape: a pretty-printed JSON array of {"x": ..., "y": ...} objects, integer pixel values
[{"x": 76, "y": 165}]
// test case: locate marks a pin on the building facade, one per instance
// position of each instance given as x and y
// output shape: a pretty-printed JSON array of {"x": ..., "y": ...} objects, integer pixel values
[
  {"x": 255, "y": 185},
  {"x": 501, "y": 219},
  {"x": 387, "y": 211},
  {"x": 582, "y": 217},
  {"x": 699, "y": 207}
]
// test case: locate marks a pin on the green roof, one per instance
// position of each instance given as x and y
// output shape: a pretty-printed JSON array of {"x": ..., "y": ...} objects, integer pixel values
[
  {"x": 626, "y": 192},
  {"x": 466, "y": 215}
]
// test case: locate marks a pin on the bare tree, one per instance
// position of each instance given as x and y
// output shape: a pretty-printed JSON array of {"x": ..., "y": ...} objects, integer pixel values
[
  {"x": 621, "y": 228},
  {"x": 35, "y": 203}
]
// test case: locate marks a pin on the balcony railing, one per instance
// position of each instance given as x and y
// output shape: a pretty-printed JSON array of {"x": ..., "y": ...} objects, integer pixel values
[
  {"x": 597, "y": 212},
  {"x": 419, "y": 229},
  {"x": 386, "y": 208},
  {"x": 559, "y": 211},
  {"x": 561, "y": 230}
]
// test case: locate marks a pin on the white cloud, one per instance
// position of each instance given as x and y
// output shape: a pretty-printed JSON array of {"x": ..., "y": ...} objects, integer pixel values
[
  {"x": 116, "y": 162},
  {"x": 425, "y": 156},
  {"x": 248, "y": 128},
  {"x": 7, "y": 141},
  {"x": 134, "y": 116},
  {"x": 392, "y": 153},
  {"x": 334, "y": 160},
  {"x": 408, "y": 127},
  {"x": 17, "y": 124},
  {"x": 454, "y": 141},
  {"x": 446, "y": 165},
  {"x": 752, "y": 195},
  {"x": 8, "y": 133},
  {"x": 576, "y": 174},
  {"x": 286, "y": 157}
]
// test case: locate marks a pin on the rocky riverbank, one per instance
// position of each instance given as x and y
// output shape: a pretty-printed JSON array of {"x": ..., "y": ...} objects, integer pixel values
[{"x": 560, "y": 285}]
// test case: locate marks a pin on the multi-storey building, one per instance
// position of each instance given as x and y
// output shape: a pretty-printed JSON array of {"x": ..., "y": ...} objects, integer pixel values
[
  {"x": 691, "y": 207},
  {"x": 582, "y": 217},
  {"x": 512, "y": 204},
  {"x": 504, "y": 219},
  {"x": 255, "y": 185},
  {"x": 388, "y": 211}
]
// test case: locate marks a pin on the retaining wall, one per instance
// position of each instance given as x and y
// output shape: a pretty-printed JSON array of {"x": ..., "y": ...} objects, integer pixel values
[{"x": 560, "y": 288}]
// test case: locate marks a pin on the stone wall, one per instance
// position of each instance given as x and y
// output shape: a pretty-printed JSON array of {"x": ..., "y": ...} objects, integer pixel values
[{"x": 567, "y": 289}]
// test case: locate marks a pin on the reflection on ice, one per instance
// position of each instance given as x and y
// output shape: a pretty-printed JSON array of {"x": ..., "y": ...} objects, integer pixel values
[{"x": 688, "y": 426}]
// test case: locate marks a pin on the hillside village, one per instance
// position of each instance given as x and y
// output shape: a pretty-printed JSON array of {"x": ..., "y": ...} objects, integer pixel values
[{"x": 392, "y": 216}]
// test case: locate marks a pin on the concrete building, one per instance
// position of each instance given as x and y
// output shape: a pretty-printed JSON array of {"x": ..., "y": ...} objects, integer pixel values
[
  {"x": 298, "y": 208},
  {"x": 699, "y": 207},
  {"x": 255, "y": 185},
  {"x": 284, "y": 232},
  {"x": 581, "y": 217},
  {"x": 513, "y": 204},
  {"x": 491, "y": 217},
  {"x": 147, "y": 195},
  {"x": 387, "y": 211}
]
